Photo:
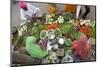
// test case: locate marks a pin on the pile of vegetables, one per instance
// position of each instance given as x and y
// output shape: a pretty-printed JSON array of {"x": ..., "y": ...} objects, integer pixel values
[
  {"x": 86, "y": 30},
  {"x": 65, "y": 28},
  {"x": 52, "y": 26},
  {"x": 59, "y": 32}
]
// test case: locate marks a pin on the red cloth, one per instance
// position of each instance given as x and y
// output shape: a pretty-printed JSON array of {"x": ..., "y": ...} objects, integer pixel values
[
  {"x": 81, "y": 47},
  {"x": 23, "y": 5}
]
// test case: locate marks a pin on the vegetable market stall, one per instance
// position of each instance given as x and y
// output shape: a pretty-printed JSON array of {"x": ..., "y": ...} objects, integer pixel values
[{"x": 57, "y": 39}]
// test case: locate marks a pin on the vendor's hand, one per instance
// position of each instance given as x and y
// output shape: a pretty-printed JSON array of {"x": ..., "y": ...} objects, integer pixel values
[
  {"x": 28, "y": 17},
  {"x": 34, "y": 15}
]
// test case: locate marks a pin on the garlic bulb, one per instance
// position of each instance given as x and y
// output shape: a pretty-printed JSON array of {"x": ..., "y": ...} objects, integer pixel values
[{"x": 61, "y": 41}]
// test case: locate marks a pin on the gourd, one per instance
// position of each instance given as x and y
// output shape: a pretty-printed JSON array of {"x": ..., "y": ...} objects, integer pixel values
[
  {"x": 68, "y": 42},
  {"x": 58, "y": 33}
]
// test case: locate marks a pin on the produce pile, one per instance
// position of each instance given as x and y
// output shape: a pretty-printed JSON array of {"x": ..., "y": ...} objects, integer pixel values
[{"x": 58, "y": 39}]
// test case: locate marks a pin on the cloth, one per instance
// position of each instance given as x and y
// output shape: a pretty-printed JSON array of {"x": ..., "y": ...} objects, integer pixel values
[
  {"x": 70, "y": 8},
  {"x": 23, "y": 5},
  {"x": 78, "y": 11}
]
